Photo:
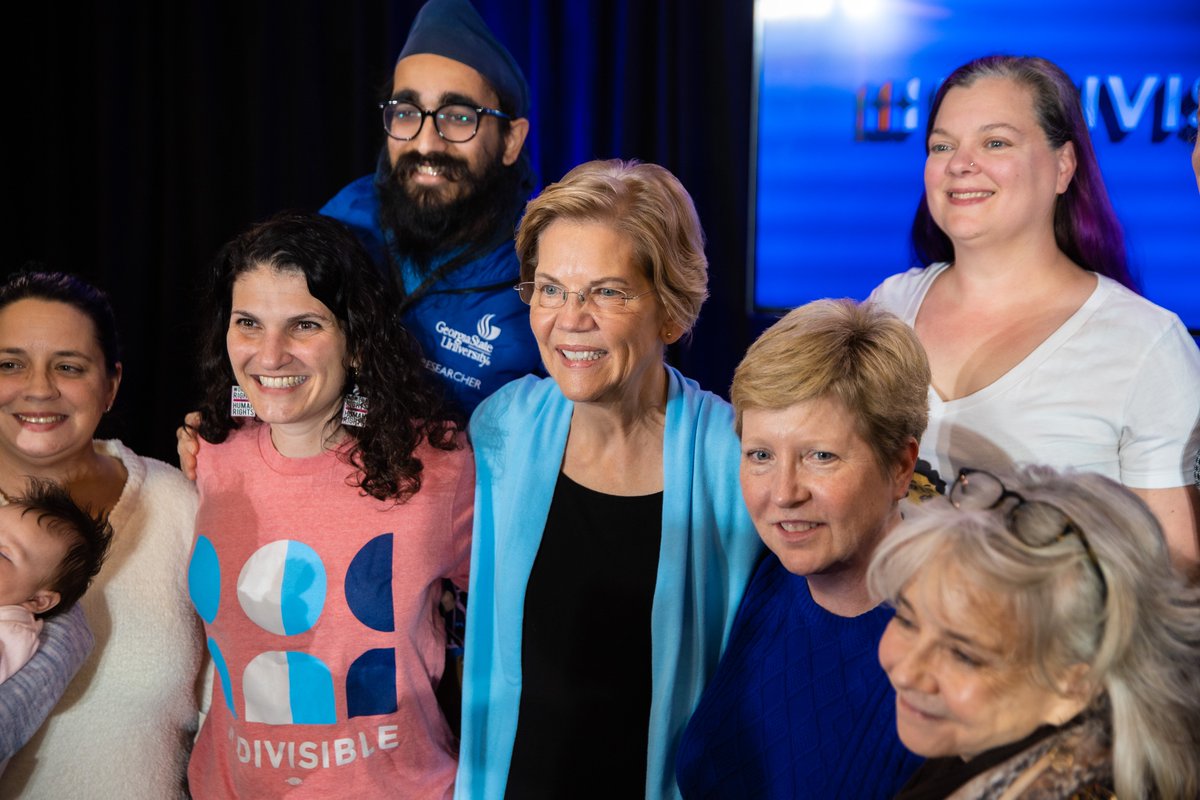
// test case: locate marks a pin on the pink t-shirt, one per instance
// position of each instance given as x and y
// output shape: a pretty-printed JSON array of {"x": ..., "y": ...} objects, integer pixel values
[{"x": 319, "y": 606}]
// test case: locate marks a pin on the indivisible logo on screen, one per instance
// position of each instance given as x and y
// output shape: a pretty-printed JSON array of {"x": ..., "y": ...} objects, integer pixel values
[{"x": 1164, "y": 105}]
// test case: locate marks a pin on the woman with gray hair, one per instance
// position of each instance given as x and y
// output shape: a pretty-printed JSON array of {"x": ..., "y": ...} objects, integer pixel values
[{"x": 1042, "y": 646}]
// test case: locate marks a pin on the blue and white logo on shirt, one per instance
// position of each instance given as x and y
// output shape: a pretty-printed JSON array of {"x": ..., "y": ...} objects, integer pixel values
[
  {"x": 486, "y": 330},
  {"x": 287, "y": 688},
  {"x": 282, "y": 588},
  {"x": 204, "y": 579},
  {"x": 475, "y": 346}
]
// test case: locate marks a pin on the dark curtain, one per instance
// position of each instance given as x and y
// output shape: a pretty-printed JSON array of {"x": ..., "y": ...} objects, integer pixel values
[{"x": 143, "y": 135}]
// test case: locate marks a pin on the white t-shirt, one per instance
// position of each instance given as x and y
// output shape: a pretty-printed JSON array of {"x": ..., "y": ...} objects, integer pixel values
[{"x": 1115, "y": 390}]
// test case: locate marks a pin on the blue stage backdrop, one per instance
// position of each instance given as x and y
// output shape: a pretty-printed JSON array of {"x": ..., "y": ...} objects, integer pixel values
[{"x": 843, "y": 88}]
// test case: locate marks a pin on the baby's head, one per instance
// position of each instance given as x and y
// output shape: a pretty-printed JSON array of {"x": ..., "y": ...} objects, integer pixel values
[{"x": 50, "y": 549}]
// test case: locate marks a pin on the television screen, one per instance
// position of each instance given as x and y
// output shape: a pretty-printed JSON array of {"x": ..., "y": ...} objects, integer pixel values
[{"x": 843, "y": 88}]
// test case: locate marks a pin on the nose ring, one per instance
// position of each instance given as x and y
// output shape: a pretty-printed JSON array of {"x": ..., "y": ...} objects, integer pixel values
[{"x": 972, "y": 164}]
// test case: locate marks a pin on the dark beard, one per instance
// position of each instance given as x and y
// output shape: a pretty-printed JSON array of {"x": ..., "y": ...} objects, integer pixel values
[{"x": 423, "y": 226}]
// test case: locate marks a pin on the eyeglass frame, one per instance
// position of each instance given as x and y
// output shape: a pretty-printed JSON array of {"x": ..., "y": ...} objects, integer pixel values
[
  {"x": 1011, "y": 524},
  {"x": 583, "y": 296},
  {"x": 426, "y": 112}
]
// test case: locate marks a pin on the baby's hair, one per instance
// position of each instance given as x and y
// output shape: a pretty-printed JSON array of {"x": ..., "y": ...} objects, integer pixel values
[{"x": 90, "y": 536}]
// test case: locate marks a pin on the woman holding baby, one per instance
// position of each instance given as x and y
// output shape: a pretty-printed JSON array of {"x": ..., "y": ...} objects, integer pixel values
[{"x": 133, "y": 701}]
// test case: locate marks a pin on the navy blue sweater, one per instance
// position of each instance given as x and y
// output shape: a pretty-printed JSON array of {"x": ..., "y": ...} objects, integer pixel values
[{"x": 799, "y": 706}]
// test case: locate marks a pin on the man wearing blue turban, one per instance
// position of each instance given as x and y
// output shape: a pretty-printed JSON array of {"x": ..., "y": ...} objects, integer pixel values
[{"x": 438, "y": 214}]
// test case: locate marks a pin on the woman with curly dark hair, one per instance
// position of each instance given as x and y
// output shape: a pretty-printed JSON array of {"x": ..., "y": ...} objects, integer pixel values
[{"x": 327, "y": 523}]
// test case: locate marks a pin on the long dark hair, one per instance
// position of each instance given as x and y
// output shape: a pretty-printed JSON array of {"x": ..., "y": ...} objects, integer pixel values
[
  {"x": 405, "y": 408},
  {"x": 1085, "y": 226}
]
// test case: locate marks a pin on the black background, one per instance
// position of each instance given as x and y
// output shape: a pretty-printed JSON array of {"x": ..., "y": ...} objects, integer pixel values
[{"x": 143, "y": 135}]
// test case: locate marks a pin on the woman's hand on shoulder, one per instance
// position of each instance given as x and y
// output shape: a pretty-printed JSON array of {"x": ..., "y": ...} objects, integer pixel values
[{"x": 187, "y": 444}]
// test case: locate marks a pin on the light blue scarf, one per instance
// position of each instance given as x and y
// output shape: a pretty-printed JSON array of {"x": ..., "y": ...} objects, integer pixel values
[{"x": 709, "y": 549}]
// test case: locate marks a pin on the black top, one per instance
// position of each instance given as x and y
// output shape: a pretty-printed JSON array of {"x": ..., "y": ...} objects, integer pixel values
[
  {"x": 938, "y": 778},
  {"x": 585, "y": 648}
]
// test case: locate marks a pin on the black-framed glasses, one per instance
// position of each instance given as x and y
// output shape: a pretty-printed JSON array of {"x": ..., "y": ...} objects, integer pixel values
[
  {"x": 551, "y": 295},
  {"x": 1036, "y": 523},
  {"x": 455, "y": 122}
]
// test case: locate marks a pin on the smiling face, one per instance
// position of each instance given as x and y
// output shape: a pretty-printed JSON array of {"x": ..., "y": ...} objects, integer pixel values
[
  {"x": 29, "y": 559},
  {"x": 288, "y": 354},
  {"x": 54, "y": 386},
  {"x": 598, "y": 355},
  {"x": 960, "y": 690},
  {"x": 990, "y": 173},
  {"x": 432, "y": 169},
  {"x": 814, "y": 487}
]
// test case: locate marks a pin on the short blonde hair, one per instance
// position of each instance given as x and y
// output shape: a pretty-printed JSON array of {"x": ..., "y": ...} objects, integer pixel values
[
  {"x": 864, "y": 357},
  {"x": 1138, "y": 632},
  {"x": 646, "y": 204}
]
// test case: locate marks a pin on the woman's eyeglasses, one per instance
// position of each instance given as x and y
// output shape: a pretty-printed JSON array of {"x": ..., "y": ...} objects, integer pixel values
[{"x": 1034, "y": 522}]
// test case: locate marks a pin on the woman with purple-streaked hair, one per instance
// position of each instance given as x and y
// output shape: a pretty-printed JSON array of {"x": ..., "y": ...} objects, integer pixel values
[{"x": 1040, "y": 349}]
